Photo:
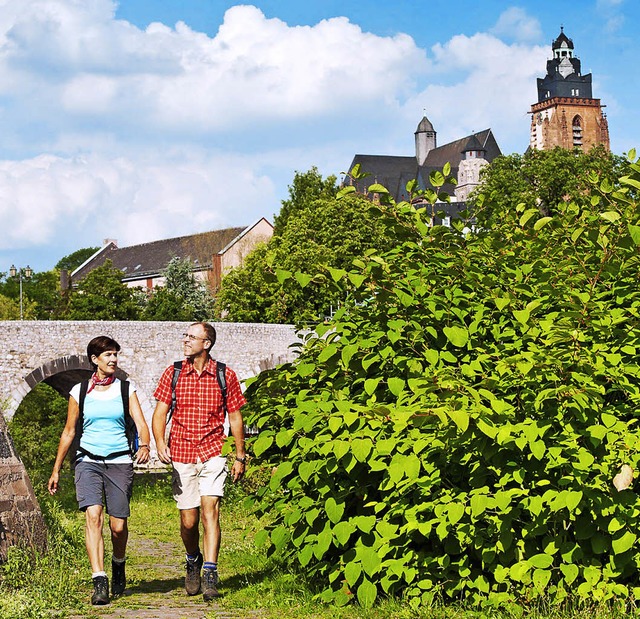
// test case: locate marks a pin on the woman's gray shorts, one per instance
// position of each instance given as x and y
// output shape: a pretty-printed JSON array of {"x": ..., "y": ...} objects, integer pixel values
[{"x": 114, "y": 482}]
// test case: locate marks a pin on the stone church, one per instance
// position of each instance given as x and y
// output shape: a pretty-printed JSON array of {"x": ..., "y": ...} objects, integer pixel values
[
  {"x": 566, "y": 113},
  {"x": 466, "y": 156}
]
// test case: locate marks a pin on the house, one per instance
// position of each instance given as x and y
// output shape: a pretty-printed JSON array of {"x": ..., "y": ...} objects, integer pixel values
[
  {"x": 213, "y": 254},
  {"x": 466, "y": 156}
]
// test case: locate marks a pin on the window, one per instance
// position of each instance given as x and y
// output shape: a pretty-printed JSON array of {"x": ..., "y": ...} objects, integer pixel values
[{"x": 577, "y": 131}]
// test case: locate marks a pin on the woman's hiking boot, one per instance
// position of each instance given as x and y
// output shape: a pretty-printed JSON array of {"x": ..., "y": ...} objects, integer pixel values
[
  {"x": 118, "y": 577},
  {"x": 100, "y": 591}
]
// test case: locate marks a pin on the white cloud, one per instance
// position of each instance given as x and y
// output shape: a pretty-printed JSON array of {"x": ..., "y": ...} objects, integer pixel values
[
  {"x": 87, "y": 199},
  {"x": 166, "y": 131},
  {"x": 516, "y": 25},
  {"x": 495, "y": 88}
]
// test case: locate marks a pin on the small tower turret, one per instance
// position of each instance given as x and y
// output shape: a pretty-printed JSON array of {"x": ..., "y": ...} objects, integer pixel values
[{"x": 425, "y": 140}]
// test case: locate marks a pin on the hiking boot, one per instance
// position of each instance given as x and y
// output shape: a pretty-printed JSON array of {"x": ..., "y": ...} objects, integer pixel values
[
  {"x": 210, "y": 580},
  {"x": 118, "y": 578},
  {"x": 192, "y": 579},
  {"x": 100, "y": 591}
]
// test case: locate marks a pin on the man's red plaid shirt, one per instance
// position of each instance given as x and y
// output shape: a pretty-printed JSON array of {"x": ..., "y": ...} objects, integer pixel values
[{"x": 197, "y": 423}]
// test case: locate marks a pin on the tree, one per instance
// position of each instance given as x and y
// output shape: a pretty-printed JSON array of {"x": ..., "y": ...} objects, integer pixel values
[
  {"x": 101, "y": 295},
  {"x": 458, "y": 429},
  {"x": 318, "y": 229},
  {"x": 9, "y": 308},
  {"x": 182, "y": 298},
  {"x": 36, "y": 428},
  {"x": 544, "y": 179},
  {"x": 75, "y": 259},
  {"x": 305, "y": 189}
]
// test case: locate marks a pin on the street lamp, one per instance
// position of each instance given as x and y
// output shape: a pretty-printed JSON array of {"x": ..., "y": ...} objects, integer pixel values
[{"x": 28, "y": 272}]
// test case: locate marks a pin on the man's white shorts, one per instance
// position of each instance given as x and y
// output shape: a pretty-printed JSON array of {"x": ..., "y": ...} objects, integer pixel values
[{"x": 192, "y": 481}]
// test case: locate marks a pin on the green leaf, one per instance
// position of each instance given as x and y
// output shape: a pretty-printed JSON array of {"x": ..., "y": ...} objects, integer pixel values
[
  {"x": 367, "y": 593},
  {"x": 542, "y": 561},
  {"x": 522, "y": 316},
  {"x": 345, "y": 191},
  {"x": 352, "y": 571},
  {"x": 611, "y": 216},
  {"x": 303, "y": 279},
  {"x": 570, "y": 572},
  {"x": 377, "y": 188},
  {"x": 623, "y": 543},
  {"x": 543, "y": 221},
  {"x": 371, "y": 384},
  {"x": 334, "y": 509},
  {"x": 458, "y": 336},
  {"x": 361, "y": 447},
  {"x": 283, "y": 275},
  {"x": 634, "y": 231},
  {"x": 342, "y": 532},
  {"x": 460, "y": 418},
  {"x": 262, "y": 443},
  {"x": 396, "y": 385},
  {"x": 336, "y": 274}
]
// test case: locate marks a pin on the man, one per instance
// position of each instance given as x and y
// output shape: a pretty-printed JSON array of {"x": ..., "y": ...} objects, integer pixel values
[{"x": 194, "y": 449}]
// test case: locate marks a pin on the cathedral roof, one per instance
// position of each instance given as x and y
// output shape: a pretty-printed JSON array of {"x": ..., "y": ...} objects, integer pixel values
[
  {"x": 473, "y": 144},
  {"x": 395, "y": 172},
  {"x": 562, "y": 41}
]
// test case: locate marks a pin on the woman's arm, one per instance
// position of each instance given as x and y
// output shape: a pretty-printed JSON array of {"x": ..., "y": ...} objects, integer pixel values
[
  {"x": 66, "y": 439},
  {"x": 135, "y": 410}
]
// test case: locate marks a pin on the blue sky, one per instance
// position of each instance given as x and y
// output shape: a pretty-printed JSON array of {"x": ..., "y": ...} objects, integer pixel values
[{"x": 146, "y": 119}]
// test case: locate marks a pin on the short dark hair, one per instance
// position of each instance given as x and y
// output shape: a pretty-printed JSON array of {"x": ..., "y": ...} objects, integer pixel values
[
  {"x": 99, "y": 344},
  {"x": 209, "y": 329}
]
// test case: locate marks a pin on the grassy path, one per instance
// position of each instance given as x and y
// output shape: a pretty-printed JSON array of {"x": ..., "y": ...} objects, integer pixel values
[{"x": 155, "y": 568}]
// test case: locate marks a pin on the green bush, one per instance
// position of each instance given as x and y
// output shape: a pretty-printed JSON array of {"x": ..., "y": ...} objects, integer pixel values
[{"x": 453, "y": 434}]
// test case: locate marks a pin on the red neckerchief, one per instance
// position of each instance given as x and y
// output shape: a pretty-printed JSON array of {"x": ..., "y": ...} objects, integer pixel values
[{"x": 95, "y": 381}]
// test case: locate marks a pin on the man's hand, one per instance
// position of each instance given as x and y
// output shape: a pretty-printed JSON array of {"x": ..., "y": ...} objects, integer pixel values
[
  {"x": 237, "y": 470},
  {"x": 164, "y": 453}
]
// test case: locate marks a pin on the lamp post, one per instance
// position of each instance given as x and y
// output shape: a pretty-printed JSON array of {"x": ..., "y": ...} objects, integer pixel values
[{"x": 28, "y": 272}]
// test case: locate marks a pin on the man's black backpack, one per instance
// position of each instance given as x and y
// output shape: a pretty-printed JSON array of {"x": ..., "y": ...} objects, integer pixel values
[
  {"x": 129, "y": 425},
  {"x": 222, "y": 382}
]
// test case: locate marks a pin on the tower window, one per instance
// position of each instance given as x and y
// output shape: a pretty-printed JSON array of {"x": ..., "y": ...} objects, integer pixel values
[{"x": 577, "y": 132}]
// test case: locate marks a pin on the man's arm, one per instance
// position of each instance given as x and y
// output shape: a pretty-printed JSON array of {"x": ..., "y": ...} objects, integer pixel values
[
  {"x": 236, "y": 424},
  {"x": 159, "y": 427}
]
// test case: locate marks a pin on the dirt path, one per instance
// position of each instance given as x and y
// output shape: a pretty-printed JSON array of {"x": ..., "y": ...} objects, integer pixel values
[{"x": 155, "y": 588}]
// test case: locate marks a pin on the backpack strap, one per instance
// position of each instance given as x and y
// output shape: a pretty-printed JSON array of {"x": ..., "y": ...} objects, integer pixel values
[
  {"x": 222, "y": 382},
  {"x": 177, "y": 368}
]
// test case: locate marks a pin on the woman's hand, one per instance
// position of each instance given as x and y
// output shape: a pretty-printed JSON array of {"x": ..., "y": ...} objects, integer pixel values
[
  {"x": 53, "y": 483},
  {"x": 142, "y": 455}
]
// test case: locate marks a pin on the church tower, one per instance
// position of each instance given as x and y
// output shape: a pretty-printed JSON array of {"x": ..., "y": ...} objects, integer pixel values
[
  {"x": 425, "y": 139},
  {"x": 566, "y": 114}
]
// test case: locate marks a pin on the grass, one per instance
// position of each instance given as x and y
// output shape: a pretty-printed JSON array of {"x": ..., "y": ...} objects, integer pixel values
[{"x": 57, "y": 584}]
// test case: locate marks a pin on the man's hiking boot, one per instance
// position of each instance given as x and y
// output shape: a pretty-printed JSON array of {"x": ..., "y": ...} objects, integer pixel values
[
  {"x": 100, "y": 591},
  {"x": 210, "y": 582},
  {"x": 192, "y": 579},
  {"x": 118, "y": 578}
]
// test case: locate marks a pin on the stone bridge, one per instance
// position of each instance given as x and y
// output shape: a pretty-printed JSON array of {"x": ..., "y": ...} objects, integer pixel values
[{"x": 54, "y": 352}]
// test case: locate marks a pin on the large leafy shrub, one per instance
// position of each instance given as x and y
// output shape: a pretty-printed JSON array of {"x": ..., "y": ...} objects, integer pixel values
[{"x": 455, "y": 431}]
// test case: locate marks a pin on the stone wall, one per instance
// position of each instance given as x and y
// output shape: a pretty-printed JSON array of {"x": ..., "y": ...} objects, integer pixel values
[{"x": 21, "y": 520}]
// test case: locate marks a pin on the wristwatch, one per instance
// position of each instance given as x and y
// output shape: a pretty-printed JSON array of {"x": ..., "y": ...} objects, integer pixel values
[{"x": 242, "y": 460}]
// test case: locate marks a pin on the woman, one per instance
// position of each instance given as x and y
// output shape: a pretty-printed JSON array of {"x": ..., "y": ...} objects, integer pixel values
[{"x": 104, "y": 464}]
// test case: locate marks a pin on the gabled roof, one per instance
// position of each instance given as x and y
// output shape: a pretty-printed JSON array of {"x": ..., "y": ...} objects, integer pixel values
[{"x": 150, "y": 259}]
